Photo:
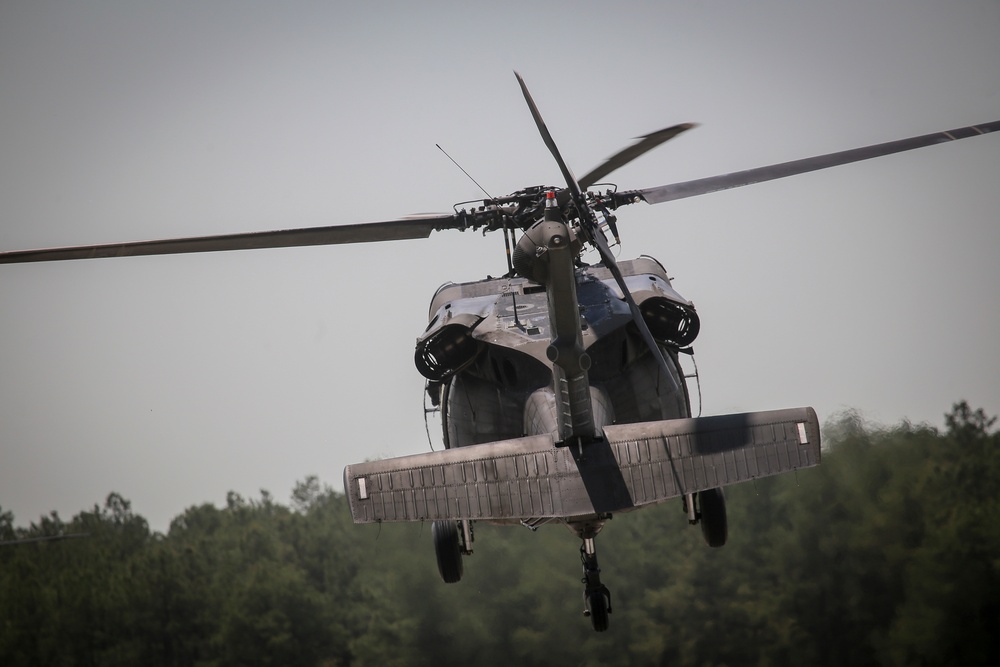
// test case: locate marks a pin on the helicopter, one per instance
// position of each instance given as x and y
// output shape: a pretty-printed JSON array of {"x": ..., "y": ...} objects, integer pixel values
[{"x": 560, "y": 384}]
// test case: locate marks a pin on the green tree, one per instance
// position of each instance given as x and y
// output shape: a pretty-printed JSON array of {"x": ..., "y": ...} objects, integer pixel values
[{"x": 884, "y": 554}]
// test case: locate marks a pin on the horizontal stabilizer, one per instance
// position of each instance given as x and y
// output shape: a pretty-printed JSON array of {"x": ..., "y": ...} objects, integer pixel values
[{"x": 634, "y": 465}]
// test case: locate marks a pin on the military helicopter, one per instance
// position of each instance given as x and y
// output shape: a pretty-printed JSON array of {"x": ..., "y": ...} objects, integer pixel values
[{"x": 560, "y": 384}]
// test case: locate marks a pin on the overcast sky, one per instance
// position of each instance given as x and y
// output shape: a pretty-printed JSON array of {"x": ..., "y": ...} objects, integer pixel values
[{"x": 173, "y": 380}]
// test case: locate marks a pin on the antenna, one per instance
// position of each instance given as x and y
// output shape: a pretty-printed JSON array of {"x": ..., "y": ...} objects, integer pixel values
[
  {"x": 488, "y": 195},
  {"x": 506, "y": 235}
]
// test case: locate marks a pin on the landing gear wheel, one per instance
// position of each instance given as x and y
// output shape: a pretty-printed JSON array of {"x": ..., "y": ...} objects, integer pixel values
[
  {"x": 596, "y": 596},
  {"x": 599, "y": 608},
  {"x": 448, "y": 549},
  {"x": 714, "y": 527}
]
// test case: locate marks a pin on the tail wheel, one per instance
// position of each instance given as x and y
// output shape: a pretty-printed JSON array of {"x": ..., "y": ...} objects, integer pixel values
[
  {"x": 714, "y": 527},
  {"x": 448, "y": 548}
]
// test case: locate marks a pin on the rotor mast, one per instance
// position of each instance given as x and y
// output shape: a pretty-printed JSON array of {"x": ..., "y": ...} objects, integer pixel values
[{"x": 546, "y": 254}]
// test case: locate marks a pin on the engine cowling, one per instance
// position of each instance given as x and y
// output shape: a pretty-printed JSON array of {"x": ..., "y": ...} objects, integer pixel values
[
  {"x": 445, "y": 351},
  {"x": 670, "y": 322}
]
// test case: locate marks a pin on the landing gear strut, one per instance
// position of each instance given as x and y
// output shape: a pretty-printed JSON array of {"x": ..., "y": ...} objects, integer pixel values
[{"x": 596, "y": 596}]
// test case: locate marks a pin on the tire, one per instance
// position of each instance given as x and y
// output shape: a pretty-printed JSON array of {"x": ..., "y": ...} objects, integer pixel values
[
  {"x": 599, "y": 607},
  {"x": 714, "y": 527},
  {"x": 448, "y": 549}
]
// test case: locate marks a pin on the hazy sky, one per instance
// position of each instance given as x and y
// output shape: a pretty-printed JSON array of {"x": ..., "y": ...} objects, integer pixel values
[{"x": 175, "y": 379}]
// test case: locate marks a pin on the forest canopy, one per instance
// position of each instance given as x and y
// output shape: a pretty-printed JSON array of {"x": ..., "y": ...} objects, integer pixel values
[{"x": 886, "y": 554}]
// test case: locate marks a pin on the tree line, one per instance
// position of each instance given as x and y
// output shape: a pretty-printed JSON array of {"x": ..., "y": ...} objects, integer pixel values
[{"x": 886, "y": 554}]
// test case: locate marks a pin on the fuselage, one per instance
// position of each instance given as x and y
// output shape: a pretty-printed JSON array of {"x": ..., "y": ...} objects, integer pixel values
[{"x": 486, "y": 353}]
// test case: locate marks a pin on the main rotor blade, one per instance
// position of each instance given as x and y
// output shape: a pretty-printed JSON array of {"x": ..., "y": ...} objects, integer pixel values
[
  {"x": 640, "y": 322},
  {"x": 589, "y": 227},
  {"x": 623, "y": 157},
  {"x": 414, "y": 227},
  {"x": 589, "y": 224},
  {"x": 588, "y": 221},
  {"x": 571, "y": 182},
  {"x": 737, "y": 179}
]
